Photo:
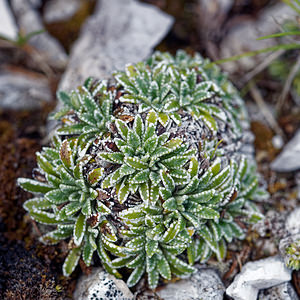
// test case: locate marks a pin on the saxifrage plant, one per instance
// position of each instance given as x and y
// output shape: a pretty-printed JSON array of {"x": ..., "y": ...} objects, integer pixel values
[{"x": 138, "y": 170}]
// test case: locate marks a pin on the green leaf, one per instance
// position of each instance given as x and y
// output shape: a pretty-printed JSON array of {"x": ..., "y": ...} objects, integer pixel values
[
  {"x": 45, "y": 165},
  {"x": 72, "y": 208},
  {"x": 86, "y": 207},
  {"x": 151, "y": 118},
  {"x": 170, "y": 204},
  {"x": 179, "y": 264},
  {"x": 205, "y": 233},
  {"x": 64, "y": 98},
  {"x": 123, "y": 192},
  {"x": 138, "y": 126},
  {"x": 108, "y": 231},
  {"x": 56, "y": 197},
  {"x": 44, "y": 217},
  {"x": 71, "y": 261},
  {"x": 136, "y": 275},
  {"x": 135, "y": 163},
  {"x": 122, "y": 129},
  {"x": 139, "y": 260},
  {"x": 114, "y": 157},
  {"x": 202, "y": 197},
  {"x": 37, "y": 204},
  {"x": 167, "y": 181},
  {"x": 222, "y": 249},
  {"x": 153, "y": 276},
  {"x": 133, "y": 140},
  {"x": 71, "y": 129},
  {"x": 34, "y": 186},
  {"x": 95, "y": 175},
  {"x": 140, "y": 177},
  {"x": 151, "y": 144},
  {"x": 66, "y": 154},
  {"x": 164, "y": 268},
  {"x": 208, "y": 213},
  {"x": 79, "y": 229},
  {"x": 171, "y": 233},
  {"x": 175, "y": 162},
  {"x": 121, "y": 261},
  {"x": 220, "y": 178},
  {"x": 151, "y": 247},
  {"x": 227, "y": 231},
  {"x": 173, "y": 144},
  {"x": 88, "y": 250},
  {"x": 163, "y": 119}
]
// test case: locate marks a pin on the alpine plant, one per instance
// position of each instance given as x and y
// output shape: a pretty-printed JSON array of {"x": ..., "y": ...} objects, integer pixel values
[{"x": 121, "y": 181}]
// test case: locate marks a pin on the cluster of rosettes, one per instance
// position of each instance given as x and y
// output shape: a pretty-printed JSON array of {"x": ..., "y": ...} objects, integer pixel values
[{"x": 137, "y": 171}]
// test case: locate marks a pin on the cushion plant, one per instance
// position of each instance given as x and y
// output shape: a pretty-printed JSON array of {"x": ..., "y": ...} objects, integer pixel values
[{"x": 139, "y": 172}]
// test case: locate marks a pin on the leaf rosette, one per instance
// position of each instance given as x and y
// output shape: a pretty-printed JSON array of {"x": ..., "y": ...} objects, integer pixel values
[
  {"x": 145, "y": 159},
  {"x": 86, "y": 111},
  {"x": 67, "y": 198}
]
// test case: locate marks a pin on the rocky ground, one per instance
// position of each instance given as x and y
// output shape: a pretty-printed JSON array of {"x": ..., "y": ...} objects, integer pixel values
[{"x": 82, "y": 38}]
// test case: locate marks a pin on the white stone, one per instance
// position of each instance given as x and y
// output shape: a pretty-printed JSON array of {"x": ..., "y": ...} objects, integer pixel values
[
  {"x": 277, "y": 141},
  {"x": 260, "y": 274},
  {"x": 8, "y": 27},
  {"x": 19, "y": 91},
  {"x": 289, "y": 159},
  {"x": 29, "y": 21},
  {"x": 101, "y": 285},
  {"x": 57, "y": 10},
  {"x": 119, "y": 32},
  {"x": 284, "y": 291},
  {"x": 204, "y": 284}
]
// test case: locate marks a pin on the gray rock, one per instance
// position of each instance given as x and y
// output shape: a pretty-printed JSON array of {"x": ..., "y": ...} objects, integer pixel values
[
  {"x": 101, "y": 285},
  {"x": 214, "y": 7},
  {"x": 267, "y": 23},
  {"x": 260, "y": 274},
  {"x": 292, "y": 223},
  {"x": 8, "y": 27},
  {"x": 36, "y": 3},
  {"x": 29, "y": 21},
  {"x": 284, "y": 291},
  {"x": 57, "y": 10},
  {"x": 204, "y": 284},
  {"x": 18, "y": 91},
  {"x": 119, "y": 32},
  {"x": 288, "y": 160},
  {"x": 213, "y": 10},
  {"x": 274, "y": 222},
  {"x": 297, "y": 178}
]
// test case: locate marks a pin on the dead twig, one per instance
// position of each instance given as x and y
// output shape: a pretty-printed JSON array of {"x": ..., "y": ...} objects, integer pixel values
[
  {"x": 288, "y": 84},
  {"x": 232, "y": 268},
  {"x": 36, "y": 227},
  {"x": 256, "y": 95}
]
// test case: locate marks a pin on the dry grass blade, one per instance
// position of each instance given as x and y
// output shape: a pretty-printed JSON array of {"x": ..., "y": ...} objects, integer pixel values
[
  {"x": 288, "y": 83},
  {"x": 256, "y": 95},
  {"x": 259, "y": 68}
]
